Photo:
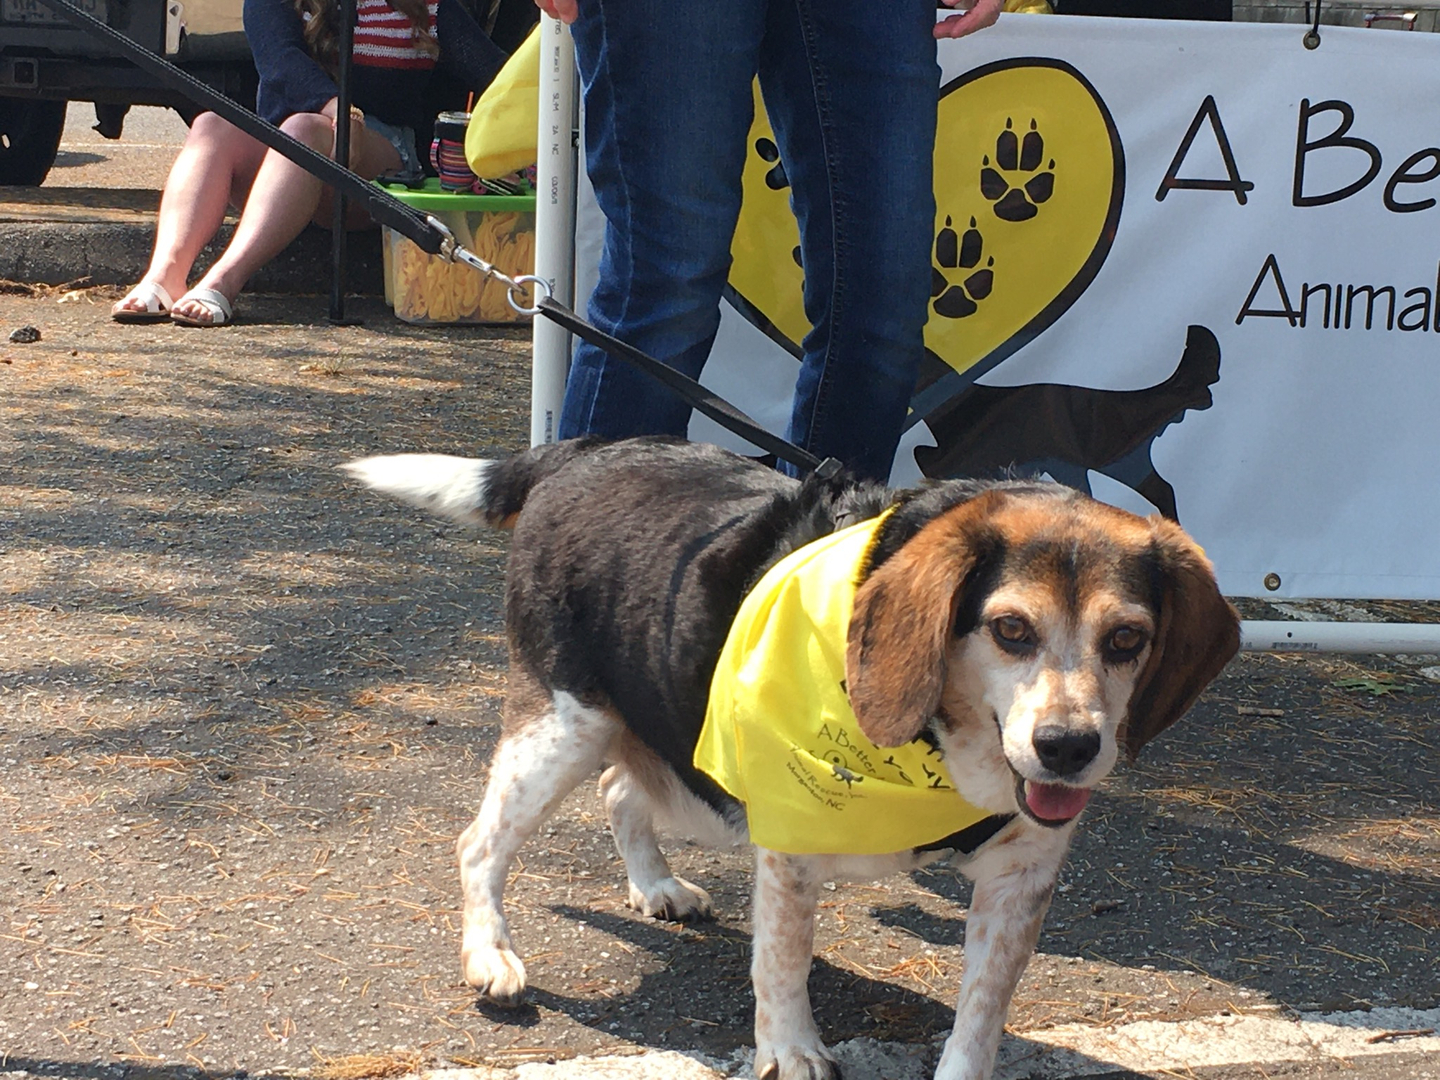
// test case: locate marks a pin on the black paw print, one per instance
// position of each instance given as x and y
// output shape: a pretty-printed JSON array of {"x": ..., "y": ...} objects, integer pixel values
[
  {"x": 1017, "y": 197},
  {"x": 775, "y": 179},
  {"x": 960, "y": 252}
]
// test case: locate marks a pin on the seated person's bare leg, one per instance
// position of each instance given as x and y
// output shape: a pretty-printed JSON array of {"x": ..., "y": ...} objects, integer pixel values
[
  {"x": 283, "y": 199},
  {"x": 217, "y": 161}
]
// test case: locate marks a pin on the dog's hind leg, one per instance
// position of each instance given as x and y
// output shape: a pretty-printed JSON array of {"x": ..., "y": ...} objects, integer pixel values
[
  {"x": 654, "y": 891},
  {"x": 538, "y": 762},
  {"x": 1161, "y": 495},
  {"x": 1136, "y": 471}
]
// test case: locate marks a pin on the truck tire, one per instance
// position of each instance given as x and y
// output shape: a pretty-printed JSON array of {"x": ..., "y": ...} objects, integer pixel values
[{"x": 29, "y": 139}]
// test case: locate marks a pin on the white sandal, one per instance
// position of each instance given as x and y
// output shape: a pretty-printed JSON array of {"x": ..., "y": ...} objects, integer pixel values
[
  {"x": 150, "y": 293},
  {"x": 215, "y": 304}
]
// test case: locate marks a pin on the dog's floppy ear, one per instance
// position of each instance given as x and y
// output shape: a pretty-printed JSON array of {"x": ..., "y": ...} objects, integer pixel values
[
  {"x": 1198, "y": 634},
  {"x": 902, "y": 623}
]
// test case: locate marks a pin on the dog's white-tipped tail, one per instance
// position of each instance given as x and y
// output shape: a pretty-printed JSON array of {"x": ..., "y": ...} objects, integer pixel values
[{"x": 451, "y": 486}]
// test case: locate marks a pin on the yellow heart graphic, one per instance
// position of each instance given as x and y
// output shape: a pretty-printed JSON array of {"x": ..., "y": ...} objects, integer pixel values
[{"x": 1029, "y": 178}]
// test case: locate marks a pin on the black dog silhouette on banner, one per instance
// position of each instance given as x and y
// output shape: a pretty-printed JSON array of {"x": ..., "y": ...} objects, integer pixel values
[
  {"x": 1030, "y": 185},
  {"x": 1067, "y": 431}
]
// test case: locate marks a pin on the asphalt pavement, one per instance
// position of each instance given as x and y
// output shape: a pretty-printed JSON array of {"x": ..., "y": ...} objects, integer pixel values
[{"x": 140, "y": 159}]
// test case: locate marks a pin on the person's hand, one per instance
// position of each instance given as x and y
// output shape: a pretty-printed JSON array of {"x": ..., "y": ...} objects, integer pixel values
[
  {"x": 331, "y": 107},
  {"x": 982, "y": 13},
  {"x": 564, "y": 10},
  {"x": 357, "y": 118}
]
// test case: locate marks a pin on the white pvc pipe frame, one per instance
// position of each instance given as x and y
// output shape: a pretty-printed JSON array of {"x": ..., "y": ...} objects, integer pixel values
[
  {"x": 1339, "y": 637},
  {"x": 556, "y": 170},
  {"x": 555, "y": 263}
]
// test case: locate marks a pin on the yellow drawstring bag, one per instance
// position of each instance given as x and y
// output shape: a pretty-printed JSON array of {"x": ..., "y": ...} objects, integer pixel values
[{"x": 502, "y": 135}]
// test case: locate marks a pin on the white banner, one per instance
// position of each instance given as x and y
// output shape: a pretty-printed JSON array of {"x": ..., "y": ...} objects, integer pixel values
[{"x": 1191, "y": 266}]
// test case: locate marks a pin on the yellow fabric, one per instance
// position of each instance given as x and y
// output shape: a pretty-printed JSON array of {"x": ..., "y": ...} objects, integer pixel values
[
  {"x": 780, "y": 735},
  {"x": 504, "y": 124},
  {"x": 1034, "y": 7}
]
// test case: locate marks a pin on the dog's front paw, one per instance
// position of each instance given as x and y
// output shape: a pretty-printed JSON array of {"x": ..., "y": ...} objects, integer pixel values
[
  {"x": 796, "y": 1062},
  {"x": 497, "y": 973},
  {"x": 671, "y": 898}
]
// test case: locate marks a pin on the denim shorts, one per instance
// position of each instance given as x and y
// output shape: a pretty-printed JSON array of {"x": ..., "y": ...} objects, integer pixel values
[{"x": 402, "y": 138}]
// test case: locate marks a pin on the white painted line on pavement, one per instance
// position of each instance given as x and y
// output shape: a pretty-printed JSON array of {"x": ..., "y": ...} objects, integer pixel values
[
  {"x": 1077, "y": 1050},
  {"x": 1069, "y": 1052},
  {"x": 113, "y": 146}
]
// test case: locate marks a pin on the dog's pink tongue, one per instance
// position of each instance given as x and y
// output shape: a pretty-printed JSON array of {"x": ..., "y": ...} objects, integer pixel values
[{"x": 1055, "y": 802}]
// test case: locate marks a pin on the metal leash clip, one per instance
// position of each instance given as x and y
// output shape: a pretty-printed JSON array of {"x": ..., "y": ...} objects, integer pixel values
[
  {"x": 516, "y": 285},
  {"x": 448, "y": 246},
  {"x": 453, "y": 251}
]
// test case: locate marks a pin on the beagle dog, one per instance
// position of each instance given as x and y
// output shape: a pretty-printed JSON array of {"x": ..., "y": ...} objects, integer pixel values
[{"x": 1014, "y": 635}]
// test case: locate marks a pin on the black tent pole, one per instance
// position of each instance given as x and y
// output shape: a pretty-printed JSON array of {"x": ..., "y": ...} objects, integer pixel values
[{"x": 342, "y": 156}]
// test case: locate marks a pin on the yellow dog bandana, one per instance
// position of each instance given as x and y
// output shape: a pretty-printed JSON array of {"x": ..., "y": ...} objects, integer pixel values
[{"x": 780, "y": 735}]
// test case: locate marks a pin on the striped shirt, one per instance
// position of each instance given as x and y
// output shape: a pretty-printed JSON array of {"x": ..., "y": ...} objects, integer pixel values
[
  {"x": 292, "y": 81},
  {"x": 384, "y": 37}
]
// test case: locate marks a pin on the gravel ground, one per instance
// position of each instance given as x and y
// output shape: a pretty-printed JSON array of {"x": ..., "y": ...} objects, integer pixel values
[{"x": 245, "y": 708}]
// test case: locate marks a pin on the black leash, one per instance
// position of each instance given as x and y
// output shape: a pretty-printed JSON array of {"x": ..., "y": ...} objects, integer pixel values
[
  {"x": 696, "y": 396},
  {"x": 435, "y": 238}
]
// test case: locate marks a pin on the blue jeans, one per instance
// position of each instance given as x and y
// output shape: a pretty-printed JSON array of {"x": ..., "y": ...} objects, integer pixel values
[{"x": 851, "y": 88}]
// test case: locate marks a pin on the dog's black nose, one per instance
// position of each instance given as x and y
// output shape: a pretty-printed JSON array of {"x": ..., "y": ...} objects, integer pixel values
[{"x": 1065, "y": 752}]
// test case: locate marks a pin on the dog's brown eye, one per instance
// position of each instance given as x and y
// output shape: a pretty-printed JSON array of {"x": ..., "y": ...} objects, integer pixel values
[
  {"x": 1013, "y": 633},
  {"x": 1125, "y": 642}
]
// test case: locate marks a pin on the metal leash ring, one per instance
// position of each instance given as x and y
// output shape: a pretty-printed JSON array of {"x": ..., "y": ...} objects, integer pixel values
[{"x": 539, "y": 286}]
